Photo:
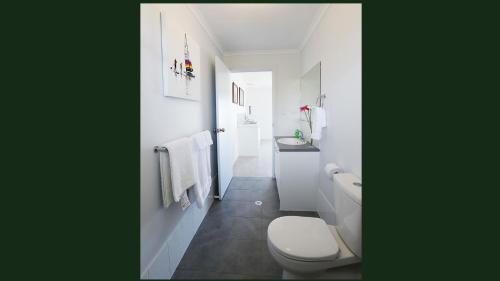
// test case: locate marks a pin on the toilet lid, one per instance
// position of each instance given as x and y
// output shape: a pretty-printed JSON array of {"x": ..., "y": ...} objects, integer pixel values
[{"x": 302, "y": 238}]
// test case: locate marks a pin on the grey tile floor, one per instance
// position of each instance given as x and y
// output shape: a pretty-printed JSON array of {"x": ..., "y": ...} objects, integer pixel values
[{"x": 231, "y": 241}]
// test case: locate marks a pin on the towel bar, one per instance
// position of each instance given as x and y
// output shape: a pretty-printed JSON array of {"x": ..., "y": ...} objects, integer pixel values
[
  {"x": 320, "y": 99},
  {"x": 158, "y": 148},
  {"x": 162, "y": 148}
]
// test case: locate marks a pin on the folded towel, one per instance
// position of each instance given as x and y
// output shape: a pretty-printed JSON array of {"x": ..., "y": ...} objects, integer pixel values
[
  {"x": 201, "y": 160},
  {"x": 318, "y": 122},
  {"x": 181, "y": 166},
  {"x": 166, "y": 183}
]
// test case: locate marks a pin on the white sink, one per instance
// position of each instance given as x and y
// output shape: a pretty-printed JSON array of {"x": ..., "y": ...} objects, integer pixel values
[{"x": 291, "y": 141}]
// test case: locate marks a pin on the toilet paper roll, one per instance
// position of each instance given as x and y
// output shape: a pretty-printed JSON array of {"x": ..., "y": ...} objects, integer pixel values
[{"x": 332, "y": 168}]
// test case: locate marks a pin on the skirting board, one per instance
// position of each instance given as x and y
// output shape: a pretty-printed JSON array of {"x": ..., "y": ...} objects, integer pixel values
[{"x": 166, "y": 260}]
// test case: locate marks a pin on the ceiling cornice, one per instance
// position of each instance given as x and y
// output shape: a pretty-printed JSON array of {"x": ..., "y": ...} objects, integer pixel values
[
  {"x": 317, "y": 18},
  {"x": 262, "y": 52},
  {"x": 312, "y": 27},
  {"x": 201, "y": 20}
]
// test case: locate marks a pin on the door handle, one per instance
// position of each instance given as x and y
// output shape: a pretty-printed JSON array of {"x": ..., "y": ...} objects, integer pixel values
[{"x": 217, "y": 130}]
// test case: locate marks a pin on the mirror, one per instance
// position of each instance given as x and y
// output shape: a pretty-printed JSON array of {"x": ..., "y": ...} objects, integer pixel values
[{"x": 310, "y": 86}]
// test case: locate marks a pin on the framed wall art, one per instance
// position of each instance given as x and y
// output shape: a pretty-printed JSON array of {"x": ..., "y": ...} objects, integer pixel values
[
  {"x": 180, "y": 58},
  {"x": 235, "y": 93},
  {"x": 241, "y": 97}
]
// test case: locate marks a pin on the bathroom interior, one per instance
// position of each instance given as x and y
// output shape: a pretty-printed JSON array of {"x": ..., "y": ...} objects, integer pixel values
[{"x": 250, "y": 141}]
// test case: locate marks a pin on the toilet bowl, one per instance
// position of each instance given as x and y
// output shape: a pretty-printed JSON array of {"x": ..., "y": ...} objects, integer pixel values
[{"x": 309, "y": 246}]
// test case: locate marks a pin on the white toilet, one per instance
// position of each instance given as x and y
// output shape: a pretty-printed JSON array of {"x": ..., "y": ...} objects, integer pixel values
[{"x": 306, "y": 246}]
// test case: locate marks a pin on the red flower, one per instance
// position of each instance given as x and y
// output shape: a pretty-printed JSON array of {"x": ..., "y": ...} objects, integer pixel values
[{"x": 304, "y": 108}]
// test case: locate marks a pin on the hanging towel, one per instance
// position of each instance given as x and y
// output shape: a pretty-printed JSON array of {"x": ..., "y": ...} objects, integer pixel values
[
  {"x": 318, "y": 122},
  {"x": 166, "y": 183},
  {"x": 181, "y": 167},
  {"x": 201, "y": 148},
  {"x": 199, "y": 141},
  {"x": 208, "y": 136}
]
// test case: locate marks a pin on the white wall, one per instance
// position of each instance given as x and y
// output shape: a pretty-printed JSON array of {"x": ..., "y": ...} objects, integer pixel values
[
  {"x": 285, "y": 84},
  {"x": 164, "y": 119},
  {"x": 336, "y": 42},
  {"x": 261, "y": 100}
]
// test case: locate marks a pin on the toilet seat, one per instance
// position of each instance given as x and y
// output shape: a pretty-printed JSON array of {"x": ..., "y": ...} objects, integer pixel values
[{"x": 302, "y": 239}]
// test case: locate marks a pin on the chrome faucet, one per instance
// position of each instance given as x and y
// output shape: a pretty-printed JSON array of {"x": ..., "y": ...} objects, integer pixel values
[{"x": 299, "y": 134}]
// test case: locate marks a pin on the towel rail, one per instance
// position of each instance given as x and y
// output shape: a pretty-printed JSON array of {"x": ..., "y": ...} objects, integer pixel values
[
  {"x": 321, "y": 100},
  {"x": 159, "y": 148}
]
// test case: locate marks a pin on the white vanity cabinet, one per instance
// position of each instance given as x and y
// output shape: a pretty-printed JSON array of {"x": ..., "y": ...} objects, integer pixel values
[
  {"x": 297, "y": 178},
  {"x": 249, "y": 140},
  {"x": 276, "y": 160}
]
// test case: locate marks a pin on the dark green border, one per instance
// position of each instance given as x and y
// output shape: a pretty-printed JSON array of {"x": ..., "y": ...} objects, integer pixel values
[{"x": 70, "y": 139}]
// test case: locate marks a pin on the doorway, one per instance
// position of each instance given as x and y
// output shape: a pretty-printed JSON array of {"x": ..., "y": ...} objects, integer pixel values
[
  {"x": 254, "y": 125},
  {"x": 244, "y": 119}
]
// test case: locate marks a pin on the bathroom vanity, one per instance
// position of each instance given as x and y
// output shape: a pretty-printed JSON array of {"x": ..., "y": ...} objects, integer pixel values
[
  {"x": 249, "y": 139},
  {"x": 296, "y": 168}
]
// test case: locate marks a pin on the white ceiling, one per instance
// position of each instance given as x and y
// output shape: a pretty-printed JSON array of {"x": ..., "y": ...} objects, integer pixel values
[{"x": 238, "y": 28}]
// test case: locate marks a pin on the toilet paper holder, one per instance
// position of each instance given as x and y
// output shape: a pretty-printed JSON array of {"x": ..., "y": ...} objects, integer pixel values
[{"x": 332, "y": 169}]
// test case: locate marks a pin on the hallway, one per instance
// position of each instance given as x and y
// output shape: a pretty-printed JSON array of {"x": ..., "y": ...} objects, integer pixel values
[{"x": 261, "y": 166}]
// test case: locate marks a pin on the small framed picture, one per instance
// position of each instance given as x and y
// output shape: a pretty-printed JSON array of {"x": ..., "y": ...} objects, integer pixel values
[
  {"x": 241, "y": 97},
  {"x": 235, "y": 93}
]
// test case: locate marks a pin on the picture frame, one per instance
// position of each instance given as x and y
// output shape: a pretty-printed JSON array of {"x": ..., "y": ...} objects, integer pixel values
[
  {"x": 177, "y": 48},
  {"x": 241, "y": 97},
  {"x": 235, "y": 93}
]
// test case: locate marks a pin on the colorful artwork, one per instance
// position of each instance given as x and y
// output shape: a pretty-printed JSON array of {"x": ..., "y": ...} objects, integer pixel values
[
  {"x": 187, "y": 62},
  {"x": 180, "y": 56}
]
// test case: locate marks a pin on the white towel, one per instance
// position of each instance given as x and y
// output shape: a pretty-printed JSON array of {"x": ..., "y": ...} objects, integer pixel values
[
  {"x": 318, "y": 122},
  {"x": 201, "y": 160},
  {"x": 199, "y": 141},
  {"x": 166, "y": 183},
  {"x": 208, "y": 136},
  {"x": 181, "y": 167}
]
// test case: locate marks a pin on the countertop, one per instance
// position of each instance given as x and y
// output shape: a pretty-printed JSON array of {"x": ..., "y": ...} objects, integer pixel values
[
  {"x": 294, "y": 148},
  {"x": 248, "y": 125}
]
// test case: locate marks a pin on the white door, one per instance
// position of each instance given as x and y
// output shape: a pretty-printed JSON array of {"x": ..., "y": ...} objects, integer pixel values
[{"x": 226, "y": 136}]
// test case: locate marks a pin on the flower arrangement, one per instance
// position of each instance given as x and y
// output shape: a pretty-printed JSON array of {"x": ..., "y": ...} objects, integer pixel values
[{"x": 307, "y": 112}]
